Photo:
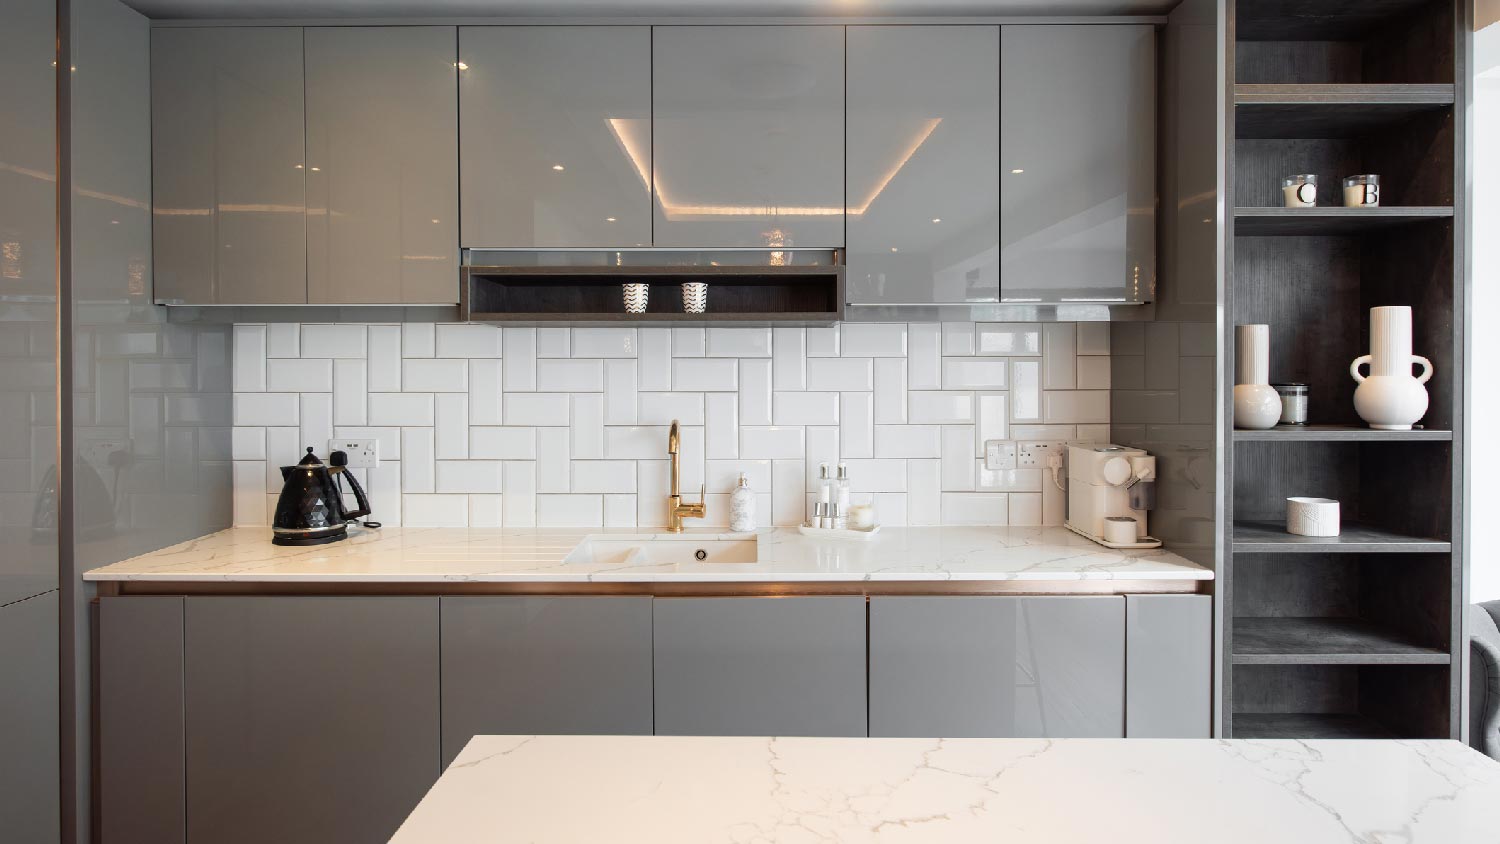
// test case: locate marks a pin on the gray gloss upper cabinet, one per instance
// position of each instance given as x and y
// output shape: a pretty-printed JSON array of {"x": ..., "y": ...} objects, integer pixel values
[
  {"x": 1078, "y": 162},
  {"x": 924, "y": 164},
  {"x": 748, "y": 136},
  {"x": 382, "y": 165},
  {"x": 227, "y": 166},
  {"x": 555, "y": 140}
]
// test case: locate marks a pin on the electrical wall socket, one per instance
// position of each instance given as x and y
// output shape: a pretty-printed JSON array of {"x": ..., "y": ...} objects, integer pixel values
[
  {"x": 363, "y": 454},
  {"x": 1033, "y": 455},
  {"x": 999, "y": 454}
]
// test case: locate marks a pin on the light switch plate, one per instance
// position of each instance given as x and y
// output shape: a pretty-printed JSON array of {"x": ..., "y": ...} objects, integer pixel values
[
  {"x": 999, "y": 454},
  {"x": 363, "y": 454}
]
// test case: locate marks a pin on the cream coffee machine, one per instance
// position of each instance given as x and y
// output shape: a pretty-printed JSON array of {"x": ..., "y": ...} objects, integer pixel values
[{"x": 1110, "y": 490}]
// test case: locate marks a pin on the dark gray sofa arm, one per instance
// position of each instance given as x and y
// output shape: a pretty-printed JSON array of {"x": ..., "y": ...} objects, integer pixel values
[{"x": 1484, "y": 679}]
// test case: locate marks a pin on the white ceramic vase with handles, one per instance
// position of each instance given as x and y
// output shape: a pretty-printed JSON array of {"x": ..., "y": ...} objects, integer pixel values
[
  {"x": 1256, "y": 403},
  {"x": 1390, "y": 398}
]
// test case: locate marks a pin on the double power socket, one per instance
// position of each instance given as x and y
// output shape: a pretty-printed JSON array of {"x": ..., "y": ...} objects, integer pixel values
[{"x": 1021, "y": 454}]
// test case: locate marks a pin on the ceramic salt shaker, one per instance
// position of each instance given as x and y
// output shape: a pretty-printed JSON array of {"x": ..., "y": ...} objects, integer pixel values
[{"x": 742, "y": 506}]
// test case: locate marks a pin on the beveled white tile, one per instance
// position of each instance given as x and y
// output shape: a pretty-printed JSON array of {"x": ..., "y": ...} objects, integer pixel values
[
  {"x": 907, "y": 441},
  {"x": 1047, "y": 433},
  {"x": 518, "y": 494},
  {"x": 789, "y": 358},
  {"x": 957, "y": 458},
  {"x": 878, "y": 475},
  {"x": 823, "y": 342},
  {"x": 856, "y": 424},
  {"x": 569, "y": 510},
  {"x": 822, "y": 446},
  {"x": 570, "y": 376},
  {"x": 1075, "y": 406},
  {"x": 435, "y": 510},
  {"x": 1059, "y": 356},
  {"x": 389, "y": 439},
  {"x": 418, "y": 467},
  {"x": 436, "y": 375},
  {"x": 1013, "y": 339},
  {"x": 1163, "y": 354},
  {"x": 247, "y": 443},
  {"x": 1025, "y": 391},
  {"x": 485, "y": 511},
  {"x": 993, "y": 422},
  {"x": 486, "y": 392},
  {"x": 655, "y": 358},
  {"x": 788, "y": 501},
  {"x": 1093, "y": 338},
  {"x": 266, "y": 409},
  {"x": 958, "y": 338},
  {"x": 536, "y": 408},
  {"x": 890, "y": 508},
  {"x": 770, "y": 443},
  {"x": 721, "y": 426},
  {"x": 604, "y": 343},
  {"x": 468, "y": 476},
  {"x": 924, "y": 355},
  {"x": 924, "y": 493},
  {"x": 975, "y": 508},
  {"x": 588, "y": 426},
  {"x": 475, "y": 340},
  {"x": 739, "y": 342},
  {"x": 619, "y": 511},
  {"x": 1009, "y": 480},
  {"x": 349, "y": 391},
  {"x": 1098, "y": 433},
  {"x": 803, "y": 408},
  {"x": 385, "y": 358},
  {"x": 418, "y": 340},
  {"x": 842, "y": 374},
  {"x": 249, "y": 359},
  {"x": 662, "y": 408},
  {"x": 553, "y": 458},
  {"x": 492, "y": 443},
  {"x": 383, "y": 485},
  {"x": 553, "y": 343},
  {"x": 755, "y": 392},
  {"x": 1025, "y": 509},
  {"x": 518, "y": 347},
  {"x": 635, "y": 442},
  {"x": 613, "y": 476},
  {"x": 619, "y": 392},
  {"x": 722, "y": 475},
  {"x": 691, "y": 457},
  {"x": 284, "y": 447},
  {"x": 890, "y": 391},
  {"x": 705, "y": 375},
  {"x": 1127, "y": 338},
  {"x": 333, "y": 341},
  {"x": 284, "y": 340},
  {"x": 974, "y": 373},
  {"x": 249, "y": 497},
  {"x": 689, "y": 343},
  {"x": 651, "y": 491},
  {"x": 872, "y": 340},
  {"x": 451, "y": 427},
  {"x": 1093, "y": 373},
  {"x": 931, "y": 407},
  {"x": 401, "y": 409}
]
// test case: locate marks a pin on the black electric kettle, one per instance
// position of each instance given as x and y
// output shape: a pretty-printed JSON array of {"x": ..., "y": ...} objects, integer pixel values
[{"x": 311, "y": 509}]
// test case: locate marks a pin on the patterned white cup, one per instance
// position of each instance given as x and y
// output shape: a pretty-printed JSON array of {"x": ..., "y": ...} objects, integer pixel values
[{"x": 1312, "y": 516}]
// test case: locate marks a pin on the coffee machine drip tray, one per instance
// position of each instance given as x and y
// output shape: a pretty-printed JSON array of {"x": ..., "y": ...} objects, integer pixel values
[{"x": 1143, "y": 542}]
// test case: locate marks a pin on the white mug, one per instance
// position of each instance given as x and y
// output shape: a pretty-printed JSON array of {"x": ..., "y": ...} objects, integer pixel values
[
  {"x": 1312, "y": 516},
  {"x": 1120, "y": 530}
]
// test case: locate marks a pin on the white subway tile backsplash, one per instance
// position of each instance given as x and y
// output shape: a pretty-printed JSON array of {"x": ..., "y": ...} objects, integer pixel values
[{"x": 466, "y": 438}]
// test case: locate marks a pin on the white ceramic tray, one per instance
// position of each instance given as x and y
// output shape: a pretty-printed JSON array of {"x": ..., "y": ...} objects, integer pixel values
[{"x": 856, "y": 534}]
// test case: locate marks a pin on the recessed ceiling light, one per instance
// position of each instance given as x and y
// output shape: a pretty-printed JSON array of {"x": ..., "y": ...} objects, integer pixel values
[
  {"x": 937, "y": 219},
  {"x": 314, "y": 169},
  {"x": 436, "y": 220},
  {"x": 557, "y": 167},
  {"x": 114, "y": 222},
  {"x": 299, "y": 166},
  {"x": 609, "y": 219},
  {"x": 1016, "y": 172},
  {"x": 894, "y": 249},
  {"x": 462, "y": 66}
]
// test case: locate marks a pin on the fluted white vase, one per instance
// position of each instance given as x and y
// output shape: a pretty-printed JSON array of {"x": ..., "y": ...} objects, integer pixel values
[
  {"x": 1256, "y": 403},
  {"x": 1390, "y": 398}
]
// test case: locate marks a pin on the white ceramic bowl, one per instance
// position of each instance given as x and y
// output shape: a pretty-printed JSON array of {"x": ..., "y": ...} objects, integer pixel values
[{"x": 1312, "y": 516}]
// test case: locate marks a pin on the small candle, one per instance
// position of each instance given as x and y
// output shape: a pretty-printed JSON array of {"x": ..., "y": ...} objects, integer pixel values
[
  {"x": 1362, "y": 191},
  {"x": 1300, "y": 191}
]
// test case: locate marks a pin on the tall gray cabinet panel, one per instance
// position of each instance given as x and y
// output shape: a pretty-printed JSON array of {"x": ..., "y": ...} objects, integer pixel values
[
  {"x": 227, "y": 169},
  {"x": 382, "y": 159},
  {"x": 29, "y": 808},
  {"x": 997, "y": 666},
  {"x": 1078, "y": 163},
  {"x": 748, "y": 135},
  {"x": 760, "y": 666},
  {"x": 555, "y": 140},
  {"x": 923, "y": 188},
  {"x": 545, "y": 665},
  {"x": 1169, "y": 666},
  {"x": 141, "y": 720},
  {"x": 310, "y": 719}
]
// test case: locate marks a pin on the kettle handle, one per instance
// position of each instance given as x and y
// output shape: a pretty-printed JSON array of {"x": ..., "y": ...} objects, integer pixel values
[{"x": 359, "y": 495}]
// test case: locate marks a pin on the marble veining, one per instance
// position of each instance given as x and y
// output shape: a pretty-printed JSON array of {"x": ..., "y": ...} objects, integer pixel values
[
  {"x": 1068, "y": 791},
  {"x": 539, "y": 556}
]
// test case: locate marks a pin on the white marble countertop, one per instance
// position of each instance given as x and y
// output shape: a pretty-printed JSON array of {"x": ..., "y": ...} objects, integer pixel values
[
  {"x": 405, "y": 555},
  {"x": 1071, "y": 791}
]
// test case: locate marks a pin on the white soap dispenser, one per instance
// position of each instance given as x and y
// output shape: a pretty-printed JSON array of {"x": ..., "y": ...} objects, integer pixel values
[{"x": 742, "y": 507}]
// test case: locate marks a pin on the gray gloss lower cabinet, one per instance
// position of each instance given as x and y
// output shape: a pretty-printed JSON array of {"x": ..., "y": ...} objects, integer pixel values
[
  {"x": 760, "y": 666},
  {"x": 984, "y": 666},
  {"x": 29, "y": 809},
  {"x": 309, "y": 719},
  {"x": 1169, "y": 666},
  {"x": 545, "y": 665}
]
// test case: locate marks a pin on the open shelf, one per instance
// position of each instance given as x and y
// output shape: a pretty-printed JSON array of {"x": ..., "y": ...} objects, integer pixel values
[
  {"x": 1271, "y": 221},
  {"x": 1303, "y": 725},
  {"x": 1271, "y": 537},
  {"x": 1340, "y": 433},
  {"x": 1340, "y": 701},
  {"x": 1326, "y": 641}
]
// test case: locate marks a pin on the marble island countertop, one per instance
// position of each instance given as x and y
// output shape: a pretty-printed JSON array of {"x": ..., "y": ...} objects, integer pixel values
[
  {"x": 542, "y": 556},
  {"x": 1068, "y": 791}
]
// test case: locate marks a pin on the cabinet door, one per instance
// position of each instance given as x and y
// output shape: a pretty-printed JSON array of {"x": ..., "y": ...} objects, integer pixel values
[
  {"x": 760, "y": 666},
  {"x": 29, "y": 808},
  {"x": 227, "y": 166},
  {"x": 546, "y": 666},
  {"x": 309, "y": 719},
  {"x": 555, "y": 138},
  {"x": 924, "y": 164},
  {"x": 996, "y": 666},
  {"x": 1078, "y": 163},
  {"x": 1169, "y": 666},
  {"x": 748, "y": 136},
  {"x": 382, "y": 158}
]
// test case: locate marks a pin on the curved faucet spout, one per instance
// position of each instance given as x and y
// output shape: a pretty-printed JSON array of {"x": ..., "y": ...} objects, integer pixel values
[
  {"x": 674, "y": 437},
  {"x": 676, "y": 509}
]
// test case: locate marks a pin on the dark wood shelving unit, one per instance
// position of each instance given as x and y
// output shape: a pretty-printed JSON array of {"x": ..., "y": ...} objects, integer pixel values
[{"x": 1359, "y": 635}]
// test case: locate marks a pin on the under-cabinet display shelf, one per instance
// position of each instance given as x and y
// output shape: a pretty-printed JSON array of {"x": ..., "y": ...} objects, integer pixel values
[
  {"x": 1272, "y": 538},
  {"x": 1332, "y": 111},
  {"x": 1331, "y": 220},
  {"x": 1339, "y": 433},
  {"x": 1327, "y": 641},
  {"x": 1301, "y": 725}
]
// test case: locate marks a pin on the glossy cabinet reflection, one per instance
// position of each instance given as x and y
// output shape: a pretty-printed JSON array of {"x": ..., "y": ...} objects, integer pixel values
[
  {"x": 1077, "y": 159},
  {"x": 555, "y": 141},
  {"x": 382, "y": 165},
  {"x": 748, "y": 136},
  {"x": 923, "y": 188},
  {"x": 227, "y": 168}
]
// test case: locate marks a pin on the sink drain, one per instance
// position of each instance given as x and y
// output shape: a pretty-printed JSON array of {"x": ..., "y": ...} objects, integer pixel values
[{"x": 701, "y": 555}]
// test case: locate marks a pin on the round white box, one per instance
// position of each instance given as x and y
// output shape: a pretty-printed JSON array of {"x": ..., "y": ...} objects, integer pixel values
[{"x": 1312, "y": 516}]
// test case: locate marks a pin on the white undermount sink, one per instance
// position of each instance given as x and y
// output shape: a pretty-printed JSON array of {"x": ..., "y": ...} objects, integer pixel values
[{"x": 662, "y": 551}]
